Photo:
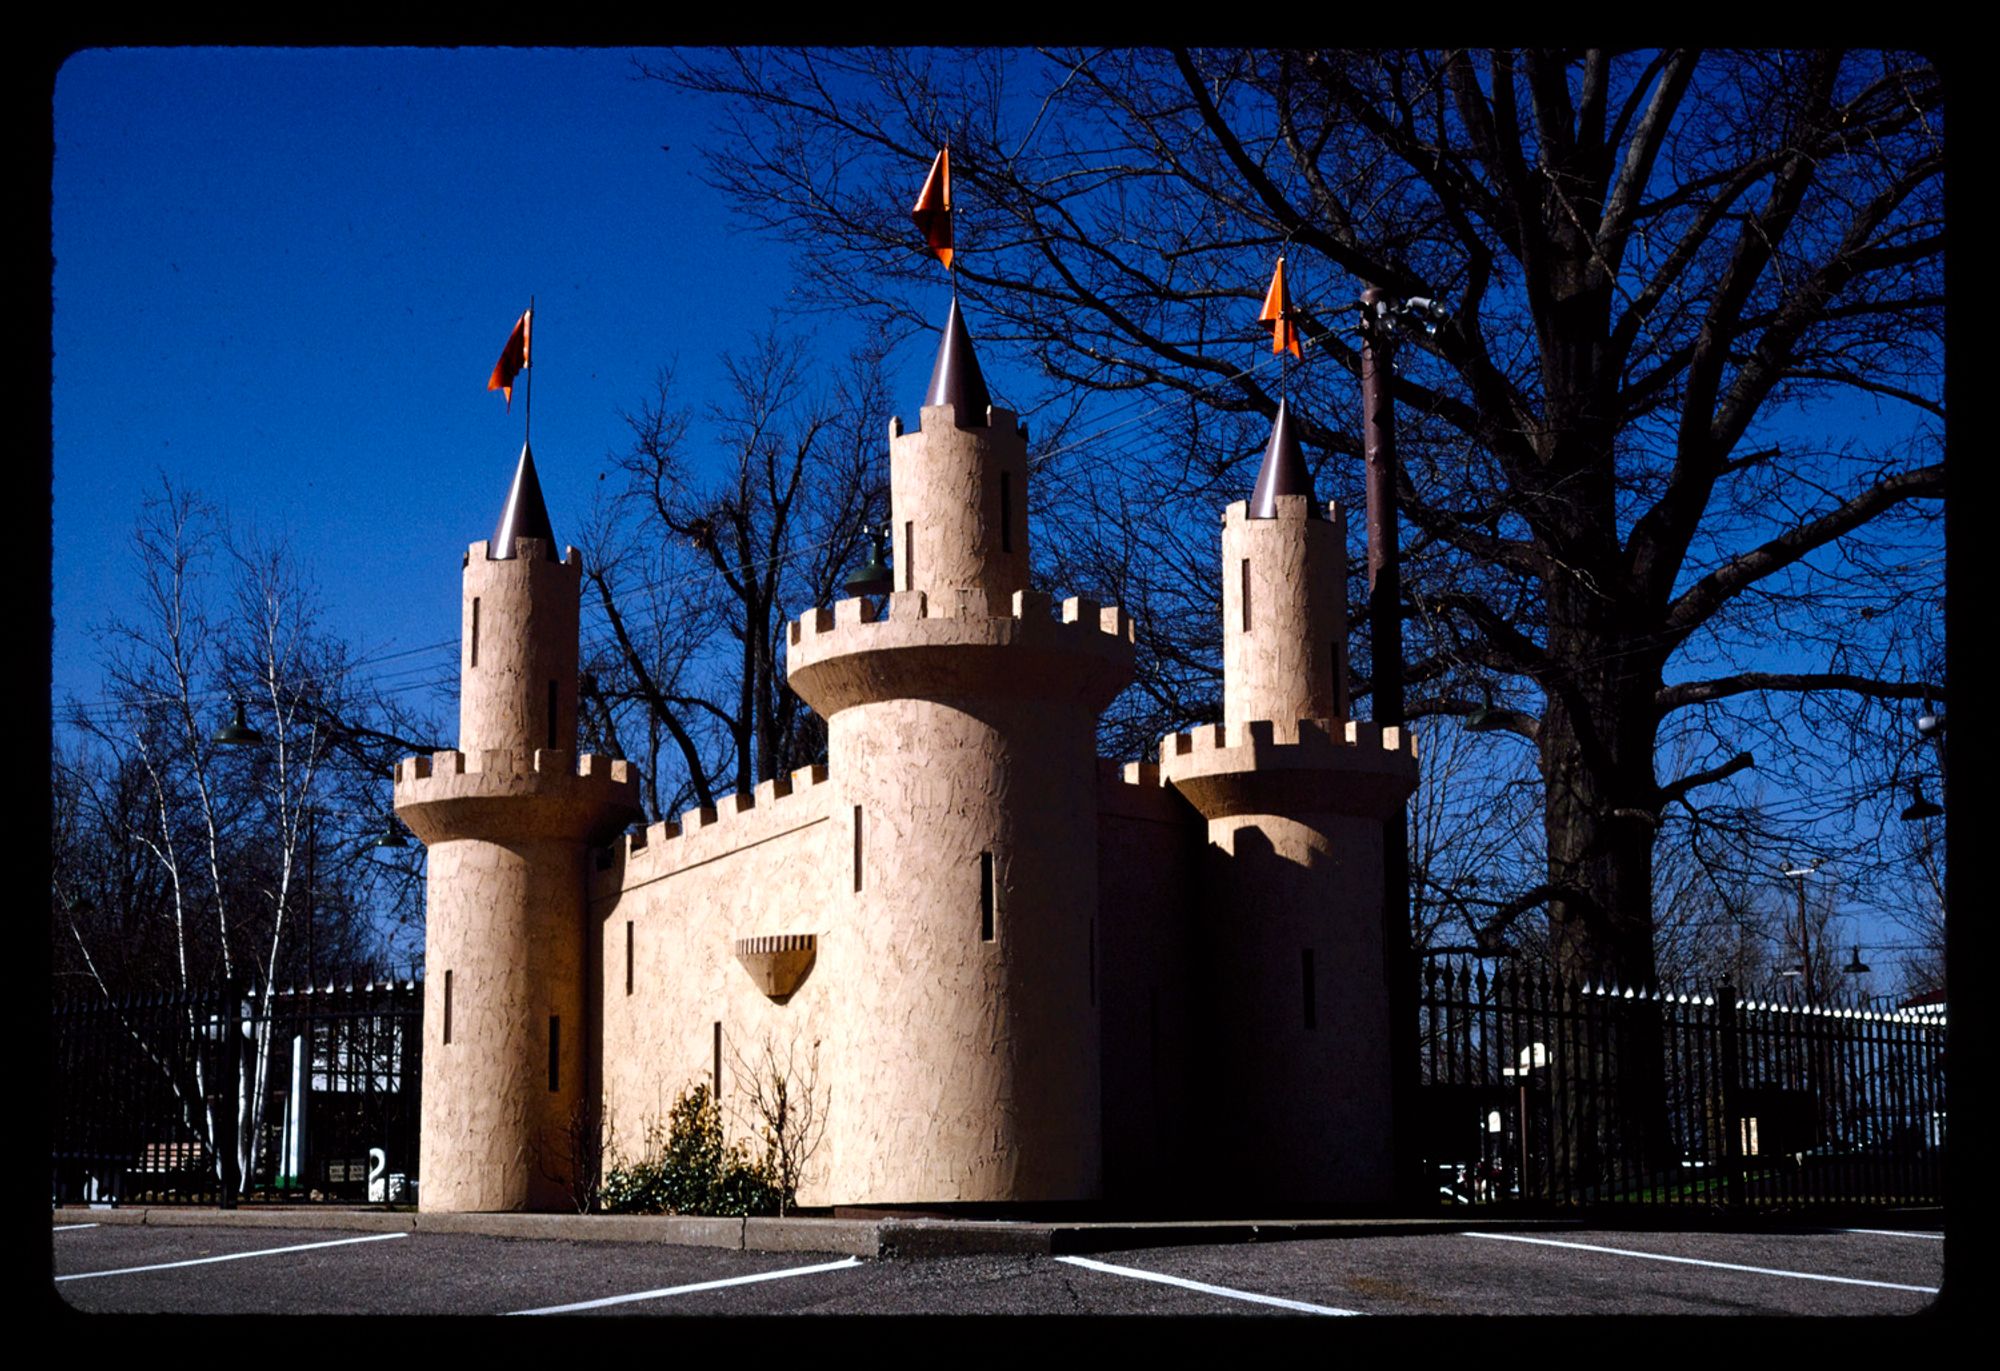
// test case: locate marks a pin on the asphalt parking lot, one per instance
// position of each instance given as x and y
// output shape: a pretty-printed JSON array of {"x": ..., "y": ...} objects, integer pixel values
[{"x": 113, "y": 1268}]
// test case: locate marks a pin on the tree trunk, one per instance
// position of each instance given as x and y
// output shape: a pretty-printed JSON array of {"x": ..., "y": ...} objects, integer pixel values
[{"x": 1597, "y": 739}]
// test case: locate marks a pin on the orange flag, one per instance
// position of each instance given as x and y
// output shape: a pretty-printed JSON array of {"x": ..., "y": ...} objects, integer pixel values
[
  {"x": 1278, "y": 313},
  {"x": 513, "y": 358},
  {"x": 933, "y": 211}
]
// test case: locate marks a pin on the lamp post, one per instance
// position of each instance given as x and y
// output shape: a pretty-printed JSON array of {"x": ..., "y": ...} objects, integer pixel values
[{"x": 1384, "y": 321}]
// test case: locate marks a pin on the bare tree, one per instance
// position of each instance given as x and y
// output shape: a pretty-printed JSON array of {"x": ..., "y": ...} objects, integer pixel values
[
  {"x": 785, "y": 1104},
  {"x": 184, "y": 864},
  {"x": 694, "y": 577},
  {"x": 1687, "y": 404}
]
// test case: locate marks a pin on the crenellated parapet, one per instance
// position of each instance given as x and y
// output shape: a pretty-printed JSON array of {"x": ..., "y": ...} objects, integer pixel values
[
  {"x": 735, "y": 823},
  {"x": 1298, "y": 766},
  {"x": 967, "y": 643},
  {"x": 503, "y": 795}
]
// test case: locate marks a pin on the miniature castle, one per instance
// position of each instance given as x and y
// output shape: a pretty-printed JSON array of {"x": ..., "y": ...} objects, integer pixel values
[{"x": 1032, "y": 975}]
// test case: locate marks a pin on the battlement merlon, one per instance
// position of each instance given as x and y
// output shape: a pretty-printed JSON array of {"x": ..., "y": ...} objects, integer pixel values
[
  {"x": 527, "y": 550},
  {"x": 1291, "y": 509},
  {"x": 502, "y": 795},
  {"x": 1313, "y": 766},
  {"x": 1003, "y": 424},
  {"x": 736, "y": 821},
  {"x": 965, "y": 645}
]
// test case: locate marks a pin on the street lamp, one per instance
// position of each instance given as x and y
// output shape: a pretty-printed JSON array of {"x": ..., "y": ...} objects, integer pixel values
[
  {"x": 238, "y": 733},
  {"x": 872, "y": 577}
]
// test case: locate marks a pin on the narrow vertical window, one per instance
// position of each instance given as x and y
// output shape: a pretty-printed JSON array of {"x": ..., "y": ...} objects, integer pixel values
[
  {"x": 857, "y": 848},
  {"x": 1006, "y": 511},
  {"x": 447, "y": 1006},
  {"x": 475, "y": 632},
  {"x": 1093, "y": 959},
  {"x": 1153, "y": 1040},
  {"x": 909, "y": 555},
  {"x": 628, "y": 956},
  {"x": 1306, "y": 979},
  {"x": 1246, "y": 594},
  {"x": 555, "y": 1052},
  {"x": 717, "y": 1078},
  {"x": 1339, "y": 683},
  {"x": 986, "y": 900},
  {"x": 552, "y": 714}
]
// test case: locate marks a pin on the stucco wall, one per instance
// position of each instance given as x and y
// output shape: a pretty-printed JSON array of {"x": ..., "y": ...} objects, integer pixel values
[
  {"x": 526, "y": 639},
  {"x": 765, "y": 864},
  {"x": 1282, "y": 666},
  {"x": 1150, "y": 843}
]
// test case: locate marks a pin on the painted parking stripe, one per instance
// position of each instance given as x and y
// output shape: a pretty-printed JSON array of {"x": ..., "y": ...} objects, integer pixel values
[
  {"x": 231, "y": 1257},
  {"x": 1250, "y": 1295},
  {"x": 691, "y": 1289},
  {"x": 1697, "y": 1261},
  {"x": 1895, "y": 1233},
  {"x": 72, "y": 1227}
]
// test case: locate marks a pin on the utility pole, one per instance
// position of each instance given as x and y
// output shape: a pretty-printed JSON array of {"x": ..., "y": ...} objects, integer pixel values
[
  {"x": 1797, "y": 875},
  {"x": 1383, "y": 319}
]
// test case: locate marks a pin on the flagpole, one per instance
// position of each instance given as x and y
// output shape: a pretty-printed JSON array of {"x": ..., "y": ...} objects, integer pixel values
[{"x": 528, "y": 365}]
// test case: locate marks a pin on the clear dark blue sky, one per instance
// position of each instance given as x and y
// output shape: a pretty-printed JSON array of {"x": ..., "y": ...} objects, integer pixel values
[{"x": 282, "y": 277}]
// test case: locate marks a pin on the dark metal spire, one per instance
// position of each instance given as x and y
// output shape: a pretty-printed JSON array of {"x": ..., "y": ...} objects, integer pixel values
[
  {"x": 955, "y": 378},
  {"x": 526, "y": 514},
  {"x": 1284, "y": 470}
]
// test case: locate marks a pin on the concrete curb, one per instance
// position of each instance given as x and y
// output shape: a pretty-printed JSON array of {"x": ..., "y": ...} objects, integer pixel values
[{"x": 910, "y": 1239}]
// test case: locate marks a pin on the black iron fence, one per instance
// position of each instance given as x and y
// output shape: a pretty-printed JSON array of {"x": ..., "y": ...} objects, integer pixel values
[
  {"x": 1536, "y": 1091},
  {"x": 202, "y": 1097}
]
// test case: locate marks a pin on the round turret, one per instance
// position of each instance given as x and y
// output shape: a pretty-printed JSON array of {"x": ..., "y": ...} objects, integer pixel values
[
  {"x": 509, "y": 819},
  {"x": 1284, "y": 614},
  {"x": 961, "y": 729},
  {"x": 1290, "y": 942},
  {"x": 958, "y": 488}
]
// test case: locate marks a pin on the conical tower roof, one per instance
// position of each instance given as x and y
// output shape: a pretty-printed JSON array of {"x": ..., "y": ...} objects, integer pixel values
[
  {"x": 526, "y": 514},
  {"x": 955, "y": 378},
  {"x": 1284, "y": 470}
]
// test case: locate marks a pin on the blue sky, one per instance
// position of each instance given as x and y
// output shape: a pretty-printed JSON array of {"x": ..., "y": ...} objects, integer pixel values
[{"x": 282, "y": 278}]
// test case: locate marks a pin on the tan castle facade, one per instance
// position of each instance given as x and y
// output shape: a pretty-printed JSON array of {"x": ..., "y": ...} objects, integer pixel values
[{"x": 1032, "y": 975}]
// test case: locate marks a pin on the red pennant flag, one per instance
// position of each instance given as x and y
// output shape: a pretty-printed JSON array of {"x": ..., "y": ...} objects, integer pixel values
[
  {"x": 513, "y": 358},
  {"x": 1278, "y": 313},
  {"x": 933, "y": 211}
]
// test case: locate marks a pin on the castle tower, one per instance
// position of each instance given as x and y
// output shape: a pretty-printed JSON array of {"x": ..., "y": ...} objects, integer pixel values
[
  {"x": 1289, "y": 924},
  {"x": 962, "y": 732},
  {"x": 508, "y": 818}
]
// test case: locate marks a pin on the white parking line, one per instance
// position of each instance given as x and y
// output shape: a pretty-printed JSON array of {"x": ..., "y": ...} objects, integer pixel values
[
  {"x": 1696, "y": 1261},
  {"x": 1895, "y": 1233},
  {"x": 72, "y": 1227},
  {"x": 231, "y": 1256},
  {"x": 1300, "y": 1305},
  {"x": 690, "y": 1289}
]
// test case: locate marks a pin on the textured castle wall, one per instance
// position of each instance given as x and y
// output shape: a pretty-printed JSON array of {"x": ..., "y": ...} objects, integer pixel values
[
  {"x": 1286, "y": 661},
  {"x": 505, "y": 923},
  {"x": 778, "y": 864},
  {"x": 518, "y": 636},
  {"x": 1304, "y": 1115},
  {"x": 947, "y": 489},
  {"x": 1149, "y": 855},
  {"x": 969, "y": 1061}
]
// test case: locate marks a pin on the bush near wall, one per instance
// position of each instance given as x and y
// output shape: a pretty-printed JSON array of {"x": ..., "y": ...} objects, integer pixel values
[{"x": 690, "y": 1168}]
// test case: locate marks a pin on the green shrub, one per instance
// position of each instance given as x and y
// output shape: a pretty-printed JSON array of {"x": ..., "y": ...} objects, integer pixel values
[{"x": 689, "y": 1168}]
